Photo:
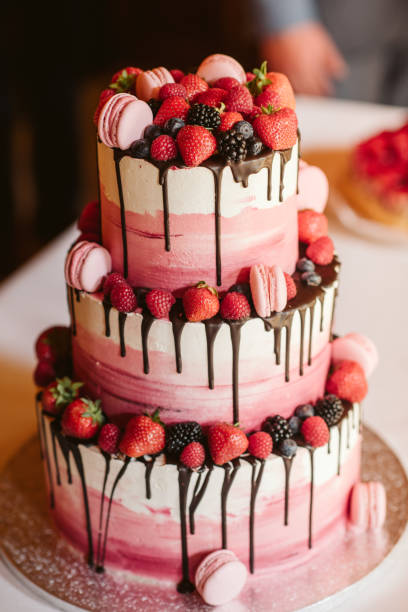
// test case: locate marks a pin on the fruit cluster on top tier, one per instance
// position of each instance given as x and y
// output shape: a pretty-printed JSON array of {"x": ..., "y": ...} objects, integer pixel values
[{"x": 163, "y": 115}]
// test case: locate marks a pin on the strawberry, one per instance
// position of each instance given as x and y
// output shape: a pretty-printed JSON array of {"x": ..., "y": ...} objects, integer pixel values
[
  {"x": 260, "y": 444},
  {"x": 226, "y": 442},
  {"x": 280, "y": 84},
  {"x": 108, "y": 439},
  {"x": 171, "y": 107},
  {"x": 257, "y": 80},
  {"x": 123, "y": 298},
  {"x": 193, "y": 84},
  {"x": 311, "y": 225},
  {"x": 268, "y": 96},
  {"x": 228, "y": 119},
  {"x": 59, "y": 394},
  {"x": 250, "y": 76},
  {"x": 144, "y": 435},
  {"x": 321, "y": 251},
  {"x": 159, "y": 302},
  {"x": 124, "y": 80},
  {"x": 44, "y": 373},
  {"x": 172, "y": 89},
  {"x": 277, "y": 129},
  {"x": 177, "y": 74},
  {"x": 103, "y": 98},
  {"x": 226, "y": 83},
  {"x": 315, "y": 431},
  {"x": 239, "y": 99},
  {"x": 196, "y": 144},
  {"x": 111, "y": 281},
  {"x": 235, "y": 307},
  {"x": 290, "y": 286},
  {"x": 255, "y": 112},
  {"x": 90, "y": 218},
  {"x": 193, "y": 455},
  {"x": 53, "y": 344},
  {"x": 348, "y": 381},
  {"x": 82, "y": 418},
  {"x": 211, "y": 97},
  {"x": 163, "y": 148},
  {"x": 200, "y": 302}
]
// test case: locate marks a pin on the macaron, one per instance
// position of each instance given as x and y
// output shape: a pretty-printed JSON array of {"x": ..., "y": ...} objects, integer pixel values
[
  {"x": 313, "y": 187},
  {"x": 123, "y": 120},
  {"x": 148, "y": 83},
  {"x": 216, "y": 66},
  {"x": 368, "y": 505},
  {"x": 268, "y": 289},
  {"x": 355, "y": 347},
  {"x": 86, "y": 266},
  {"x": 220, "y": 577}
]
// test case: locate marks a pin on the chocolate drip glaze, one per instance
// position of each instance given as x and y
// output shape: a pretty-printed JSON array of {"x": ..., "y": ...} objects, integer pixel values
[
  {"x": 148, "y": 472},
  {"x": 184, "y": 477},
  {"x": 198, "y": 495},
  {"x": 178, "y": 324},
  {"x": 287, "y": 462},
  {"x": 106, "y": 309},
  {"x": 212, "y": 327},
  {"x": 335, "y": 294},
  {"x": 229, "y": 478},
  {"x": 122, "y": 316},
  {"x": 163, "y": 182},
  {"x": 321, "y": 299},
  {"x": 255, "y": 483},
  {"x": 278, "y": 321},
  {"x": 107, "y": 458},
  {"x": 147, "y": 322},
  {"x": 71, "y": 304},
  {"x": 235, "y": 331}
]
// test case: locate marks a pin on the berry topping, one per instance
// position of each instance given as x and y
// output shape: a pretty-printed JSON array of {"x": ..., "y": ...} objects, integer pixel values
[
  {"x": 290, "y": 286},
  {"x": 140, "y": 148},
  {"x": 254, "y": 146},
  {"x": 305, "y": 265},
  {"x": 245, "y": 129},
  {"x": 172, "y": 89},
  {"x": 280, "y": 84},
  {"x": 200, "y": 302},
  {"x": 226, "y": 442},
  {"x": 235, "y": 307},
  {"x": 82, "y": 418},
  {"x": 172, "y": 107},
  {"x": 177, "y": 74},
  {"x": 124, "y": 80},
  {"x": 108, "y": 439},
  {"x": 44, "y": 373},
  {"x": 249, "y": 76},
  {"x": 154, "y": 105},
  {"x": 330, "y": 408},
  {"x": 321, "y": 251},
  {"x": 239, "y": 99},
  {"x": 193, "y": 455},
  {"x": 211, "y": 97},
  {"x": 144, "y": 435},
  {"x": 287, "y": 448},
  {"x": 111, "y": 281},
  {"x": 159, "y": 303},
  {"x": 103, "y": 98},
  {"x": 257, "y": 79},
  {"x": 178, "y": 436},
  {"x": 243, "y": 288},
  {"x": 226, "y": 83},
  {"x": 53, "y": 345},
  {"x": 311, "y": 278},
  {"x": 196, "y": 144},
  {"x": 193, "y": 84},
  {"x": 163, "y": 148},
  {"x": 315, "y": 431},
  {"x": 260, "y": 444},
  {"x": 232, "y": 145},
  {"x": 59, "y": 394},
  {"x": 228, "y": 120},
  {"x": 277, "y": 130},
  {"x": 202, "y": 114},
  {"x": 312, "y": 225},
  {"x": 268, "y": 97},
  {"x": 255, "y": 112},
  {"x": 278, "y": 428},
  {"x": 152, "y": 131},
  {"x": 304, "y": 411},
  {"x": 90, "y": 218},
  {"x": 173, "y": 126},
  {"x": 294, "y": 424},
  {"x": 123, "y": 298},
  {"x": 348, "y": 381}
]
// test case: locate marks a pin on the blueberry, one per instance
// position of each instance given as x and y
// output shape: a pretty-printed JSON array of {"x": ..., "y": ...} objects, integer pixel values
[
  {"x": 244, "y": 128},
  {"x": 294, "y": 423},
  {"x": 288, "y": 448},
  {"x": 304, "y": 411},
  {"x": 305, "y": 265},
  {"x": 152, "y": 131},
  {"x": 140, "y": 148},
  {"x": 311, "y": 278},
  {"x": 254, "y": 146},
  {"x": 173, "y": 125}
]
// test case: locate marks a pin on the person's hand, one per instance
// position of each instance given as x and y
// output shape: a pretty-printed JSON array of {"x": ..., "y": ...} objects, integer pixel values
[{"x": 309, "y": 57}]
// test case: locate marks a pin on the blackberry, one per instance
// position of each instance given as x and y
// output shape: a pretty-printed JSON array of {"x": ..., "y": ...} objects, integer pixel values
[
  {"x": 204, "y": 115},
  {"x": 254, "y": 146},
  {"x": 152, "y": 131},
  {"x": 311, "y": 278},
  {"x": 173, "y": 125},
  {"x": 278, "y": 428},
  {"x": 330, "y": 408},
  {"x": 304, "y": 411},
  {"x": 181, "y": 434},
  {"x": 232, "y": 145},
  {"x": 287, "y": 448},
  {"x": 154, "y": 105},
  {"x": 305, "y": 265},
  {"x": 140, "y": 148},
  {"x": 244, "y": 128}
]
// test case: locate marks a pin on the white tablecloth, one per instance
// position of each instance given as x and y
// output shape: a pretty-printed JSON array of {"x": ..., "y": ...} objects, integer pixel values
[{"x": 373, "y": 299}]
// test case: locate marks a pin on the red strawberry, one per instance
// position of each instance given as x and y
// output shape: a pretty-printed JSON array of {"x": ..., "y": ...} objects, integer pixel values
[
  {"x": 290, "y": 286},
  {"x": 103, "y": 98},
  {"x": 144, "y": 435},
  {"x": 239, "y": 99},
  {"x": 177, "y": 74},
  {"x": 123, "y": 298},
  {"x": 235, "y": 307},
  {"x": 226, "y": 83},
  {"x": 82, "y": 418},
  {"x": 226, "y": 442},
  {"x": 228, "y": 119},
  {"x": 163, "y": 148},
  {"x": 260, "y": 444},
  {"x": 159, "y": 302},
  {"x": 250, "y": 76},
  {"x": 172, "y": 89},
  {"x": 108, "y": 439},
  {"x": 277, "y": 130},
  {"x": 348, "y": 381},
  {"x": 44, "y": 373},
  {"x": 321, "y": 251},
  {"x": 90, "y": 218},
  {"x": 124, "y": 80},
  {"x": 281, "y": 85},
  {"x": 171, "y": 107},
  {"x": 211, "y": 97},
  {"x": 311, "y": 225},
  {"x": 268, "y": 96},
  {"x": 193, "y": 455},
  {"x": 255, "y": 112},
  {"x": 315, "y": 431},
  {"x": 53, "y": 344},
  {"x": 111, "y": 281},
  {"x": 59, "y": 394},
  {"x": 193, "y": 84},
  {"x": 196, "y": 144},
  {"x": 200, "y": 302}
]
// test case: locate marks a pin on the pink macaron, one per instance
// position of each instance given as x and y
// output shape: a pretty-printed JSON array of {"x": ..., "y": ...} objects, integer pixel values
[
  {"x": 148, "y": 83},
  {"x": 313, "y": 187},
  {"x": 268, "y": 289},
  {"x": 123, "y": 120},
  {"x": 220, "y": 577},
  {"x": 368, "y": 505},
  {"x": 355, "y": 347},
  {"x": 216, "y": 66},
  {"x": 86, "y": 266}
]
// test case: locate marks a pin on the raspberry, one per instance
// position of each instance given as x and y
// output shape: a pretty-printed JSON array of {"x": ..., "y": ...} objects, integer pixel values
[
  {"x": 330, "y": 408},
  {"x": 235, "y": 307},
  {"x": 178, "y": 436},
  {"x": 108, "y": 439},
  {"x": 290, "y": 286},
  {"x": 159, "y": 303},
  {"x": 321, "y": 251},
  {"x": 278, "y": 428},
  {"x": 228, "y": 119},
  {"x": 315, "y": 431},
  {"x": 260, "y": 444},
  {"x": 239, "y": 99},
  {"x": 177, "y": 74},
  {"x": 90, "y": 218},
  {"x": 123, "y": 298},
  {"x": 172, "y": 89},
  {"x": 226, "y": 83},
  {"x": 210, "y": 97},
  {"x": 193, "y": 455},
  {"x": 44, "y": 373},
  {"x": 312, "y": 225},
  {"x": 348, "y": 381},
  {"x": 111, "y": 281},
  {"x": 103, "y": 98},
  {"x": 163, "y": 148}
]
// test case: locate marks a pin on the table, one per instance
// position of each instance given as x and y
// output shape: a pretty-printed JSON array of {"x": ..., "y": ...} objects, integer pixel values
[{"x": 373, "y": 300}]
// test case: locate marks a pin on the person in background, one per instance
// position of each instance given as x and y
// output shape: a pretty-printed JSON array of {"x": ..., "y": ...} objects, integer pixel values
[{"x": 354, "y": 49}]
